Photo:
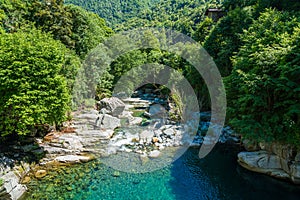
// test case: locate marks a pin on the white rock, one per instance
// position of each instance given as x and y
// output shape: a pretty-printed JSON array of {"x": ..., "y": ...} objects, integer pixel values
[
  {"x": 154, "y": 154},
  {"x": 169, "y": 132},
  {"x": 72, "y": 159}
]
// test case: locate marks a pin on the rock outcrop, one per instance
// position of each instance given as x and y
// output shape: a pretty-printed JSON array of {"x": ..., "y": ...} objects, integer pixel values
[
  {"x": 276, "y": 160},
  {"x": 10, "y": 178}
]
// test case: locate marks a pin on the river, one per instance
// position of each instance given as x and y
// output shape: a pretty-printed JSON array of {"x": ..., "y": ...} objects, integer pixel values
[{"x": 217, "y": 176}]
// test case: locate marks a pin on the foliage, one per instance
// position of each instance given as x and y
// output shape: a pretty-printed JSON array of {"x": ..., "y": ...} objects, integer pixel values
[
  {"x": 180, "y": 15},
  {"x": 263, "y": 88},
  {"x": 203, "y": 29},
  {"x": 88, "y": 29},
  {"x": 224, "y": 40},
  {"x": 75, "y": 27},
  {"x": 113, "y": 11},
  {"x": 33, "y": 91},
  {"x": 12, "y": 14}
]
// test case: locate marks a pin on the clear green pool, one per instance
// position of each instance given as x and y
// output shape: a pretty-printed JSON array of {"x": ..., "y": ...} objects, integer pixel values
[{"x": 215, "y": 177}]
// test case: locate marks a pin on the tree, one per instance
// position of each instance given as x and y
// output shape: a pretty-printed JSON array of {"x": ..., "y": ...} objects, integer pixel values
[
  {"x": 263, "y": 88},
  {"x": 32, "y": 90},
  {"x": 88, "y": 29}
]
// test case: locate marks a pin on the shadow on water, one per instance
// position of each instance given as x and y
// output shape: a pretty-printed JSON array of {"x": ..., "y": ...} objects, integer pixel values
[{"x": 218, "y": 176}]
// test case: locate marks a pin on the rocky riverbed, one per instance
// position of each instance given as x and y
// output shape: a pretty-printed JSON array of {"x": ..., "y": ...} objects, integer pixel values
[{"x": 138, "y": 125}]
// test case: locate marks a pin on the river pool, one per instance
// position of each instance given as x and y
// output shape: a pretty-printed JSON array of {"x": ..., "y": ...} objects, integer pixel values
[{"x": 217, "y": 176}]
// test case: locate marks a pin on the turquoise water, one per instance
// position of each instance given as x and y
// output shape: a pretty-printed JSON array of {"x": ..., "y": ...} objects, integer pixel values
[{"x": 215, "y": 177}]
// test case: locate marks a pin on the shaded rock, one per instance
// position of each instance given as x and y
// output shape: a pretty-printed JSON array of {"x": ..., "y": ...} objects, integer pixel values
[
  {"x": 251, "y": 146},
  {"x": 113, "y": 105},
  {"x": 295, "y": 172},
  {"x": 40, "y": 173},
  {"x": 269, "y": 162},
  {"x": 262, "y": 162},
  {"x": 29, "y": 147},
  {"x": 297, "y": 157}
]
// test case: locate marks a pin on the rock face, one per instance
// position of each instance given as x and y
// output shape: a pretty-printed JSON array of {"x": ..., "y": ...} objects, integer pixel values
[
  {"x": 279, "y": 161},
  {"x": 12, "y": 186},
  {"x": 91, "y": 134},
  {"x": 10, "y": 178},
  {"x": 113, "y": 106}
]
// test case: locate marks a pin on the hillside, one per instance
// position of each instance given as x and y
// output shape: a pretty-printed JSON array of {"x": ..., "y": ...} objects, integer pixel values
[{"x": 114, "y": 11}]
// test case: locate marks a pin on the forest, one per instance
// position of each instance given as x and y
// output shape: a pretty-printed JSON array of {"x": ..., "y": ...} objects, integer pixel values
[{"x": 255, "y": 46}]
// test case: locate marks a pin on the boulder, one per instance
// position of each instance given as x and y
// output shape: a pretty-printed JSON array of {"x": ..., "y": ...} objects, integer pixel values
[
  {"x": 295, "y": 172},
  {"x": 262, "y": 162},
  {"x": 11, "y": 186},
  {"x": 154, "y": 154},
  {"x": 113, "y": 105},
  {"x": 155, "y": 139},
  {"x": 169, "y": 132},
  {"x": 73, "y": 159},
  {"x": 157, "y": 111},
  {"x": 40, "y": 174},
  {"x": 146, "y": 136},
  {"x": 71, "y": 141},
  {"x": 108, "y": 122},
  {"x": 135, "y": 121}
]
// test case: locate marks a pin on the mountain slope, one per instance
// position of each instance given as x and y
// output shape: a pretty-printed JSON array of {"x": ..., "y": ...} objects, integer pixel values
[{"x": 114, "y": 11}]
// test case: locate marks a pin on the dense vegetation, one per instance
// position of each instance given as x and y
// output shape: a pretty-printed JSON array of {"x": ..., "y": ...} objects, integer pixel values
[
  {"x": 255, "y": 46},
  {"x": 41, "y": 47},
  {"x": 113, "y": 11}
]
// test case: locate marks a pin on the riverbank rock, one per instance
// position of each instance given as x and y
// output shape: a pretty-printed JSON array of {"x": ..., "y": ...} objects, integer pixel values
[
  {"x": 279, "y": 161},
  {"x": 11, "y": 188},
  {"x": 154, "y": 154},
  {"x": 73, "y": 159},
  {"x": 10, "y": 176},
  {"x": 108, "y": 122}
]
